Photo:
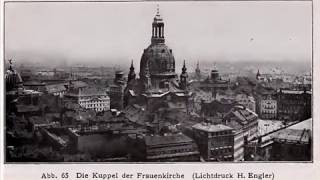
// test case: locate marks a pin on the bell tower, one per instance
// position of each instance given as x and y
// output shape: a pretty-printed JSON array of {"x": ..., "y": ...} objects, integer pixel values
[
  {"x": 132, "y": 74},
  {"x": 183, "y": 77}
]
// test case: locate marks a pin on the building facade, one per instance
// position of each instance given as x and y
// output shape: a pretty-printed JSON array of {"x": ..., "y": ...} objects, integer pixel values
[
  {"x": 215, "y": 142},
  {"x": 172, "y": 148},
  {"x": 294, "y": 105},
  {"x": 90, "y": 98},
  {"x": 268, "y": 106}
]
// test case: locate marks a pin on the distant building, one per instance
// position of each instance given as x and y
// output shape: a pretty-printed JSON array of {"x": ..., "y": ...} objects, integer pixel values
[
  {"x": 216, "y": 108},
  {"x": 198, "y": 72},
  {"x": 263, "y": 77},
  {"x": 213, "y": 84},
  {"x": 267, "y": 106},
  {"x": 246, "y": 100},
  {"x": 294, "y": 105},
  {"x": 245, "y": 124},
  {"x": 171, "y": 148},
  {"x": 199, "y": 97},
  {"x": 215, "y": 142},
  {"x": 90, "y": 98}
]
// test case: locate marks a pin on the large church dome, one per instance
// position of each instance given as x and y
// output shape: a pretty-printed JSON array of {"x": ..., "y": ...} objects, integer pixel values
[{"x": 157, "y": 60}]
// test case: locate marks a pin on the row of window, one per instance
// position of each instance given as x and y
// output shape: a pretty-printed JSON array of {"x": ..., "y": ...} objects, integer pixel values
[
  {"x": 94, "y": 102},
  {"x": 221, "y": 151},
  {"x": 154, "y": 153},
  {"x": 95, "y": 105}
]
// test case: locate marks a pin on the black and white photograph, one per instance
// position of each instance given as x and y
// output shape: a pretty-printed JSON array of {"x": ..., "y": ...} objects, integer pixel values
[{"x": 158, "y": 82}]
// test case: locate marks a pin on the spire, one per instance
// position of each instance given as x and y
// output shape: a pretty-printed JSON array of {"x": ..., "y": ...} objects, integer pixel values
[
  {"x": 198, "y": 68},
  {"x": 157, "y": 29},
  {"x": 184, "y": 69},
  {"x": 183, "y": 76},
  {"x": 132, "y": 74},
  {"x": 158, "y": 13},
  {"x": 131, "y": 67},
  {"x": 258, "y": 75}
]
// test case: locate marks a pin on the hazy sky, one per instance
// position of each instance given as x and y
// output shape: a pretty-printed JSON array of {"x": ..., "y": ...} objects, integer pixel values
[{"x": 114, "y": 33}]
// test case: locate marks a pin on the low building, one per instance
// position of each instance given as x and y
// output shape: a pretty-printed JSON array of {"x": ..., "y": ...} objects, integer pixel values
[
  {"x": 245, "y": 124},
  {"x": 171, "y": 148},
  {"x": 215, "y": 142}
]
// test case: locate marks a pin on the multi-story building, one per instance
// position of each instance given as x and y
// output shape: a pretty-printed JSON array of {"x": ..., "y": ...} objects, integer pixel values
[
  {"x": 294, "y": 105},
  {"x": 215, "y": 142},
  {"x": 245, "y": 124},
  {"x": 171, "y": 148},
  {"x": 267, "y": 106},
  {"x": 90, "y": 98}
]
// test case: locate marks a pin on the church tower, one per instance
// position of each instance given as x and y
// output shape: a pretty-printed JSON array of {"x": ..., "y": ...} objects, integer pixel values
[
  {"x": 183, "y": 77},
  {"x": 132, "y": 74},
  {"x": 258, "y": 75},
  {"x": 198, "y": 72},
  {"x": 158, "y": 58}
]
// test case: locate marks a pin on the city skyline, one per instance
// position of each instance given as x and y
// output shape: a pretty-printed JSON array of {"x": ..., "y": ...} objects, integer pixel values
[{"x": 217, "y": 32}]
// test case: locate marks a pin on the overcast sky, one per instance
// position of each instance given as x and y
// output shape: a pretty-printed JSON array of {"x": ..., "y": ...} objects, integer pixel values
[{"x": 114, "y": 33}]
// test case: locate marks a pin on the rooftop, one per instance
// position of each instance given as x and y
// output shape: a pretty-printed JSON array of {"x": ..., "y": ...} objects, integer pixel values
[
  {"x": 292, "y": 135},
  {"x": 164, "y": 140},
  {"x": 306, "y": 124},
  {"x": 211, "y": 127}
]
